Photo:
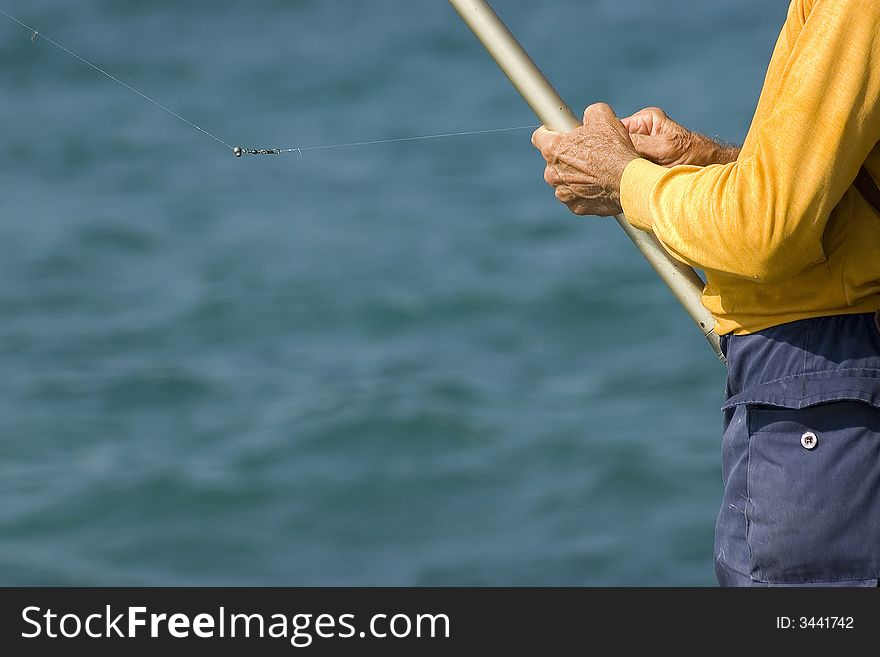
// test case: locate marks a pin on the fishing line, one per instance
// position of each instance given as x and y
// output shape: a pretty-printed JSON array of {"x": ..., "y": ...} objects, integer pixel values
[
  {"x": 36, "y": 33},
  {"x": 238, "y": 151}
]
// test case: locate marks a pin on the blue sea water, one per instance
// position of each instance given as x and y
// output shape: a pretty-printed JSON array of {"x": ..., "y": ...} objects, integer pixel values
[{"x": 400, "y": 364}]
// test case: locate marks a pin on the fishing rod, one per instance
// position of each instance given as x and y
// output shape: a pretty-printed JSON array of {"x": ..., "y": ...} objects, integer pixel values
[{"x": 684, "y": 283}]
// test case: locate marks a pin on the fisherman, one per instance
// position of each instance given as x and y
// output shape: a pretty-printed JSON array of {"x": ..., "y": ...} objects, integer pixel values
[{"x": 787, "y": 231}]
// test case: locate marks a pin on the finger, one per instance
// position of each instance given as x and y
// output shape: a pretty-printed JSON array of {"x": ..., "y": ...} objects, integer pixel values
[
  {"x": 536, "y": 135},
  {"x": 599, "y": 110},
  {"x": 637, "y": 124},
  {"x": 655, "y": 112},
  {"x": 579, "y": 208},
  {"x": 565, "y": 195},
  {"x": 551, "y": 176},
  {"x": 544, "y": 139},
  {"x": 646, "y": 121}
]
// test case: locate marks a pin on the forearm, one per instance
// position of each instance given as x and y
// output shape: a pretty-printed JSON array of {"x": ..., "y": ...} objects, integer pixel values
[
  {"x": 763, "y": 215},
  {"x": 705, "y": 151}
]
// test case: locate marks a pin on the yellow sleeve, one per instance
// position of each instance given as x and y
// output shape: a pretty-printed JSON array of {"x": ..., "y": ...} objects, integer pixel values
[{"x": 763, "y": 216}]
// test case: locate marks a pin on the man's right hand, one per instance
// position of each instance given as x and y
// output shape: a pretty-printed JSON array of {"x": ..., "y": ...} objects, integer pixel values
[{"x": 667, "y": 143}]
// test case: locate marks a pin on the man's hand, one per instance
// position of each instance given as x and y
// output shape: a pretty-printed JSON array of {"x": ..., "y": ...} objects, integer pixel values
[
  {"x": 585, "y": 165},
  {"x": 667, "y": 143}
]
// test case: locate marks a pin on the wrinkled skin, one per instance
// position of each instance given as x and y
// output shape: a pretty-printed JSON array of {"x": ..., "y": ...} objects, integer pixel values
[{"x": 585, "y": 166}]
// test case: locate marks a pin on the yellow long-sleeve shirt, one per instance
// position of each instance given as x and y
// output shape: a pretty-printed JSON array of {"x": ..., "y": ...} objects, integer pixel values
[{"x": 781, "y": 233}]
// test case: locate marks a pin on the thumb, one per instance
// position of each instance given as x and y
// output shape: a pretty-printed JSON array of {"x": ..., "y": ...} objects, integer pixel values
[{"x": 636, "y": 125}]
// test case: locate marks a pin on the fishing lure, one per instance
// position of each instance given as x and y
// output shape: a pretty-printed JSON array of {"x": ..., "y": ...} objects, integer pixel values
[{"x": 238, "y": 151}]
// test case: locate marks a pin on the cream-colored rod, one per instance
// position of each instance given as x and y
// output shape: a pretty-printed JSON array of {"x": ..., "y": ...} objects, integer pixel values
[{"x": 552, "y": 111}]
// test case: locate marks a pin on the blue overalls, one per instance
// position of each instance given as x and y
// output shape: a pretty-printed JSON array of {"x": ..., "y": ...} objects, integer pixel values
[{"x": 801, "y": 456}]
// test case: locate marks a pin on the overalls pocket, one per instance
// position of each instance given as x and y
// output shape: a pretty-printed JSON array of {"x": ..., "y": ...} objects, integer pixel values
[
  {"x": 801, "y": 456},
  {"x": 813, "y": 494}
]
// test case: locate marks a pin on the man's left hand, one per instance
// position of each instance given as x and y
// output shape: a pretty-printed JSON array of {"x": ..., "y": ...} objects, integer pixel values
[{"x": 585, "y": 165}]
